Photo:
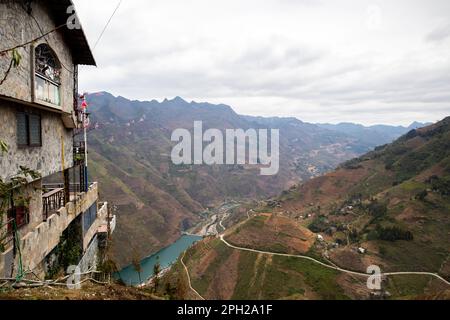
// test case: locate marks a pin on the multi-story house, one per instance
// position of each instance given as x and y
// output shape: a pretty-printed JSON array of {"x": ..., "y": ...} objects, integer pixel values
[{"x": 56, "y": 219}]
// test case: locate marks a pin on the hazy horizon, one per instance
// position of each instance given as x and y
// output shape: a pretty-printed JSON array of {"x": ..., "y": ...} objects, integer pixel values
[{"x": 245, "y": 115}]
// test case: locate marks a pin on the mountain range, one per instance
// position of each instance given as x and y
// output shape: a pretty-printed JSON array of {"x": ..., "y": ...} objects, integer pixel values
[{"x": 130, "y": 151}]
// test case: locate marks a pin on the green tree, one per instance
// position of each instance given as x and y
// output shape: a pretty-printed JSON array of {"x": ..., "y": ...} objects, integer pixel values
[{"x": 377, "y": 209}]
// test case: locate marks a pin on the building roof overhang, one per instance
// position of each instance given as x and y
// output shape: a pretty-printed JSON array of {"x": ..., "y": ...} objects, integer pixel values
[{"x": 75, "y": 38}]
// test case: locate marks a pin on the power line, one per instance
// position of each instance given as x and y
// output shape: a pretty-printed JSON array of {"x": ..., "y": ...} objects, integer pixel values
[
  {"x": 3, "y": 52},
  {"x": 107, "y": 24},
  {"x": 7, "y": 72},
  {"x": 45, "y": 38},
  {"x": 31, "y": 41}
]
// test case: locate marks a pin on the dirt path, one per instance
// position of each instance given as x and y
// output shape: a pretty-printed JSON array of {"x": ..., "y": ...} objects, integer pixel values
[
  {"x": 333, "y": 267},
  {"x": 189, "y": 278}
]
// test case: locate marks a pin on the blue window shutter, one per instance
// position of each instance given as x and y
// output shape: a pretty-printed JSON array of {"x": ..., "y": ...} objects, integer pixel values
[
  {"x": 35, "y": 130},
  {"x": 22, "y": 129}
]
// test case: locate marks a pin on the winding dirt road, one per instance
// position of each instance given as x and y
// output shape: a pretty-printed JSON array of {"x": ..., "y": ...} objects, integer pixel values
[
  {"x": 189, "y": 278},
  {"x": 333, "y": 267},
  {"x": 366, "y": 275}
]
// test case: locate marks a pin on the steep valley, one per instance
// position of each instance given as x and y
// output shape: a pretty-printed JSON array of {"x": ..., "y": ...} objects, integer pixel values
[
  {"x": 388, "y": 208},
  {"x": 155, "y": 200}
]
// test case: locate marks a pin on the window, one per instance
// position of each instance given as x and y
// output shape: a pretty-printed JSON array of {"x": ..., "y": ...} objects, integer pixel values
[
  {"x": 89, "y": 217},
  {"x": 21, "y": 217},
  {"x": 34, "y": 122},
  {"x": 47, "y": 75},
  {"x": 22, "y": 129},
  {"x": 29, "y": 131}
]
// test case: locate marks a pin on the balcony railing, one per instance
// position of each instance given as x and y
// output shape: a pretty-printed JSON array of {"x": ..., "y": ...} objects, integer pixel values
[
  {"x": 52, "y": 201},
  {"x": 54, "y": 197},
  {"x": 73, "y": 187}
]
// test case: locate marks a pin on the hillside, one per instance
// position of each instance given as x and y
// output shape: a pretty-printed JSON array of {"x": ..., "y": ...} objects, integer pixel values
[
  {"x": 89, "y": 292},
  {"x": 156, "y": 201},
  {"x": 393, "y": 202}
]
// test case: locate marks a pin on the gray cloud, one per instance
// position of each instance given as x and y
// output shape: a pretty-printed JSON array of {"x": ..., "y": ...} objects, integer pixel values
[
  {"x": 321, "y": 62},
  {"x": 439, "y": 34}
]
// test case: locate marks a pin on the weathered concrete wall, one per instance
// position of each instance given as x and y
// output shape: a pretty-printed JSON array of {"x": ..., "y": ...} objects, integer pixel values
[
  {"x": 40, "y": 242},
  {"x": 113, "y": 224},
  {"x": 90, "y": 258},
  {"x": 17, "y": 27},
  {"x": 6, "y": 263},
  {"x": 47, "y": 159}
]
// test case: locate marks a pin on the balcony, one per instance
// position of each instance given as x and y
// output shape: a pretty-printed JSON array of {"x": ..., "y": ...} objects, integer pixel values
[
  {"x": 54, "y": 197},
  {"x": 38, "y": 243},
  {"x": 52, "y": 200},
  {"x": 41, "y": 240}
]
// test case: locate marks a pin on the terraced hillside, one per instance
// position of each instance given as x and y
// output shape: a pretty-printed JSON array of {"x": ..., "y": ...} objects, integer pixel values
[{"x": 389, "y": 208}]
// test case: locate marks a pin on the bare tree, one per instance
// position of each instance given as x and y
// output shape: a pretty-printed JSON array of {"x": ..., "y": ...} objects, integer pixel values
[{"x": 136, "y": 262}]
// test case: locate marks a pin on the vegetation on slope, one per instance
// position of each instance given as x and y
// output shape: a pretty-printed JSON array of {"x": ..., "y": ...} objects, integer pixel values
[
  {"x": 156, "y": 200},
  {"x": 396, "y": 212}
]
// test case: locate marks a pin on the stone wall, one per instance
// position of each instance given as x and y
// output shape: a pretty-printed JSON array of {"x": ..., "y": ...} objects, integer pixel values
[
  {"x": 17, "y": 27},
  {"x": 47, "y": 159}
]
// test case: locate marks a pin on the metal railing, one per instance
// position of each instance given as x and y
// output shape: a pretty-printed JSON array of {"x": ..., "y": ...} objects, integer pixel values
[
  {"x": 73, "y": 187},
  {"x": 52, "y": 201},
  {"x": 54, "y": 196}
]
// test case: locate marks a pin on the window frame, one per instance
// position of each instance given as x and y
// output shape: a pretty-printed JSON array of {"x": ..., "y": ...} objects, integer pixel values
[
  {"x": 47, "y": 80},
  {"x": 28, "y": 131},
  {"x": 12, "y": 214}
]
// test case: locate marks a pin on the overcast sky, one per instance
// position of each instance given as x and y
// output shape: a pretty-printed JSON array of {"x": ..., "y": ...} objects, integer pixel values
[{"x": 320, "y": 61}]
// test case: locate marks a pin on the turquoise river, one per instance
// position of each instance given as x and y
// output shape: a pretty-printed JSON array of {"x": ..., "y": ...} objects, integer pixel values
[{"x": 166, "y": 258}]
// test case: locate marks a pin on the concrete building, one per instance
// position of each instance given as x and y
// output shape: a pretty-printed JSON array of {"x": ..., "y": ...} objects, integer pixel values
[{"x": 56, "y": 219}]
